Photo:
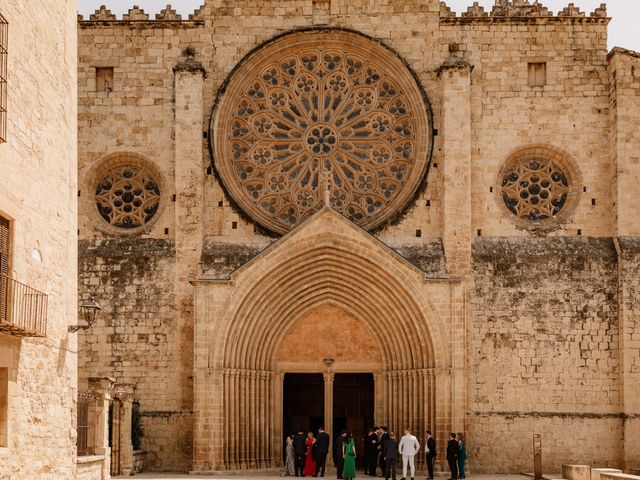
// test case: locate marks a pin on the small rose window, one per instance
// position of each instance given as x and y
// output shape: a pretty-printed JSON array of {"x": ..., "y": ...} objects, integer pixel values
[
  {"x": 538, "y": 187},
  {"x": 127, "y": 194}
]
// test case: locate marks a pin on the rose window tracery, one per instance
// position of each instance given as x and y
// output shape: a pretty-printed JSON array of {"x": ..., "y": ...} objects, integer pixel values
[
  {"x": 127, "y": 196},
  {"x": 321, "y": 114},
  {"x": 539, "y": 186},
  {"x": 535, "y": 189}
]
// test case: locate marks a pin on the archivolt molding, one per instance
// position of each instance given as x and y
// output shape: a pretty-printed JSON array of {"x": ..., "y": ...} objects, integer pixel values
[{"x": 390, "y": 298}]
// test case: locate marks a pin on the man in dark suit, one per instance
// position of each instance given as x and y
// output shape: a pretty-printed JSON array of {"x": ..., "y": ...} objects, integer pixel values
[
  {"x": 452, "y": 456},
  {"x": 390, "y": 454},
  {"x": 299, "y": 451},
  {"x": 431, "y": 453},
  {"x": 338, "y": 459},
  {"x": 370, "y": 453},
  {"x": 322, "y": 449},
  {"x": 384, "y": 435}
]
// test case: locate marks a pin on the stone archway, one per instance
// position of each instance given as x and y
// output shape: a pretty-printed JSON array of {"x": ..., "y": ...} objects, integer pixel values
[{"x": 240, "y": 324}]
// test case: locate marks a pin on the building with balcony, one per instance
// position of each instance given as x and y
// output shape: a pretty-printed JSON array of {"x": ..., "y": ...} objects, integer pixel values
[{"x": 38, "y": 233}]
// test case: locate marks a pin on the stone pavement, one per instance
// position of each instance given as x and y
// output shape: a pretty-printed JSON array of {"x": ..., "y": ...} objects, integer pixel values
[{"x": 177, "y": 476}]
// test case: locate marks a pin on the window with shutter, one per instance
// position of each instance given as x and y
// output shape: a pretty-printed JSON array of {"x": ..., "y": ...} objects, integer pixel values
[{"x": 4, "y": 265}]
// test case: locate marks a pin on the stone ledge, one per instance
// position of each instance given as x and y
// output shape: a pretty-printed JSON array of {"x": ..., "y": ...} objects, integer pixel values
[
  {"x": 90, "y": 459},
  {"x": 527, "y": 247}
]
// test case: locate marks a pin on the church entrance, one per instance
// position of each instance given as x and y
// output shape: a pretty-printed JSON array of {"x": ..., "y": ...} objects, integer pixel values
[
  {"x": 303, "y": 403},
  {"x": 353, "y": 407}
]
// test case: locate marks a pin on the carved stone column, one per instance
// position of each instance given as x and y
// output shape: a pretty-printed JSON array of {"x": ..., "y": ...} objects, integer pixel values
[
  {"x": 328, "y": 410},
  {"x": 100, "y": 388},
  {"x": 455, "y": 77}
]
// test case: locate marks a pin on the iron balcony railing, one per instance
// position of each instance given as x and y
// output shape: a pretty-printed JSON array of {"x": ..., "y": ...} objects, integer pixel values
[{"x": 23, "y": 310}]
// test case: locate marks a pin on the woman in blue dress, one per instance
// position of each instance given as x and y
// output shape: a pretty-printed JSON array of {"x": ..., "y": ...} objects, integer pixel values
[{"x": 462, "y": 455}]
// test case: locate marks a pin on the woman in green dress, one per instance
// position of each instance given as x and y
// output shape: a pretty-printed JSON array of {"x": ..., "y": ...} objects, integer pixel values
[{"x": 349, "y": 454}]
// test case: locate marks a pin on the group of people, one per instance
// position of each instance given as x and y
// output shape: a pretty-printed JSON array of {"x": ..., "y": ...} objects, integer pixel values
[{"x": 307, "y": 456}]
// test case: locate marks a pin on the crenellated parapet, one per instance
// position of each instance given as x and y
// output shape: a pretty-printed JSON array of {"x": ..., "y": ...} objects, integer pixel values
[
  {"x": 168, "y": 13},
  {"x": 138, "y": 15},
  {"x": 519, "y": 11},
  {"x": 103, "y": 13},
  {"x": 198, "y": 14}
]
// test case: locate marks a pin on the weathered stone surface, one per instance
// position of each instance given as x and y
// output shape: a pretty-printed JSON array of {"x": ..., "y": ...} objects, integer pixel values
[
  {"x": 542, "y": 328},
  {"x": 38, "y": 184}
]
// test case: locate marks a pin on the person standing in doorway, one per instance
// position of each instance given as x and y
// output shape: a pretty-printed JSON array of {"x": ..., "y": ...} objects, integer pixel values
[
  {"x": 338, "y": 458},
  {"x": 349, "y": 454},
  {"x": 452, "y": 456},
  {"x": 322, "y": 449},
  {"x": 299, "y": 450},
  {"x": 408, "y": 448},
  {"x": 430, "y": 453},
  {"x": 390, "y": 454},
  {"x": 383, "y": 435},
  {"x": 462, "y": 455},
  {"x": 371, "y": 453},
  {"x": 309, "y": 462},
  {"x": 289, "y": 462}
]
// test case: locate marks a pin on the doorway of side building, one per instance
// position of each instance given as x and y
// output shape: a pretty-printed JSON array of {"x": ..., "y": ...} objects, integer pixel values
[
  {"x": 353, "y": 407},
  {"x": 303, "y": 403}
]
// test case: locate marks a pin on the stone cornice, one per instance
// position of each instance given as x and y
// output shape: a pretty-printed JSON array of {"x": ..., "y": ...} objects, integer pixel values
[{"x": 489, "y": 20}]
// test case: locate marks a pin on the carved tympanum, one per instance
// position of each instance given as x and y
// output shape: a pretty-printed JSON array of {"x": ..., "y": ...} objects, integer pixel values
[{"x": 321, "y": 111}]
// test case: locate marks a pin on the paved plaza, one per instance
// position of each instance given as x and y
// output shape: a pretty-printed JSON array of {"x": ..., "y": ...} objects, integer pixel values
[{"x": 176, "y": 476}]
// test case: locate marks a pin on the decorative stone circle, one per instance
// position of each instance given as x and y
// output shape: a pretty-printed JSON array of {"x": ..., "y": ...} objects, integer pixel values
[
  {"x": 316, "y": 114},
  {"x": 539, "y": 186},
  {"x": 127, "y": 194}
]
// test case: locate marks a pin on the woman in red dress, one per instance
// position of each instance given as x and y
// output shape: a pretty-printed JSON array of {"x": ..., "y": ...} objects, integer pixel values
[{"x": 310, "y": 463}]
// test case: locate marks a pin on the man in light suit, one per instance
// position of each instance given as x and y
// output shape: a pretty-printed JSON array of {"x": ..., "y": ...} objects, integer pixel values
[{"x": 408, "y": 448}]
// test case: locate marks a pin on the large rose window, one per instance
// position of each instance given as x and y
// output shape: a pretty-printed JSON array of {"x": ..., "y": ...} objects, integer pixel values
[{"x": 317, "y": 117}]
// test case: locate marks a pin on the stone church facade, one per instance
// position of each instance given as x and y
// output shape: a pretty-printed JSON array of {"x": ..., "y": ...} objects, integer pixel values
[{"x": 289, "y": 205}]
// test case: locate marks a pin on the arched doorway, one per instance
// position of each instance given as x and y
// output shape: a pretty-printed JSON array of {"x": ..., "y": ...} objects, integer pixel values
[
  {"x": 242, "y": 325},
  {"x": 328, "y": 358}
]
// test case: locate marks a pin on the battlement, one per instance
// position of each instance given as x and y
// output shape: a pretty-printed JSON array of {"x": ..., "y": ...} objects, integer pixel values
[
  {"x": 137, "y": 14},
  {"x": 510, "y": 10},
  {"x": 502, "y": 10}
]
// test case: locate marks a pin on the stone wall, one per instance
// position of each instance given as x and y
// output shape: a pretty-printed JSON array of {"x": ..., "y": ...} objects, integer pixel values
[
  {"x": 144, "y": 334},
  {"x": 37, "y": 194},
  {"x": 90, "y": 468},
  {"x": 629, "y": 279},
  {"x": 543, "y": 352},
  {"x": 135, "y": 339}
]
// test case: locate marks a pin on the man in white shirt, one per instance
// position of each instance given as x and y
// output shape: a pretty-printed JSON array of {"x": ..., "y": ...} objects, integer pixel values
[{"x": 408, "y": 448}]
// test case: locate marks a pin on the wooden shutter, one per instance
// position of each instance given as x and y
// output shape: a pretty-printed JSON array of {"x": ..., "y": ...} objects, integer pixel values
[{"x": 4, "y": 266}]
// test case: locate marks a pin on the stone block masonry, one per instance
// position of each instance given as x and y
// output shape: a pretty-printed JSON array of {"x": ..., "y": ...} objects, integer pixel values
[
  {"x": 38, "y": 188},
  {"x": 536, "y": 317}
]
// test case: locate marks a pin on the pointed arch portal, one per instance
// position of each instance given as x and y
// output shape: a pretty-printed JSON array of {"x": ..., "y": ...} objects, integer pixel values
[{"x": 254, "y": 328}]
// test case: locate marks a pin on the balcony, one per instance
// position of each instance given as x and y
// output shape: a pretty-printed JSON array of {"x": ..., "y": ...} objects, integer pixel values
[{"x": 23, "y": 310}]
